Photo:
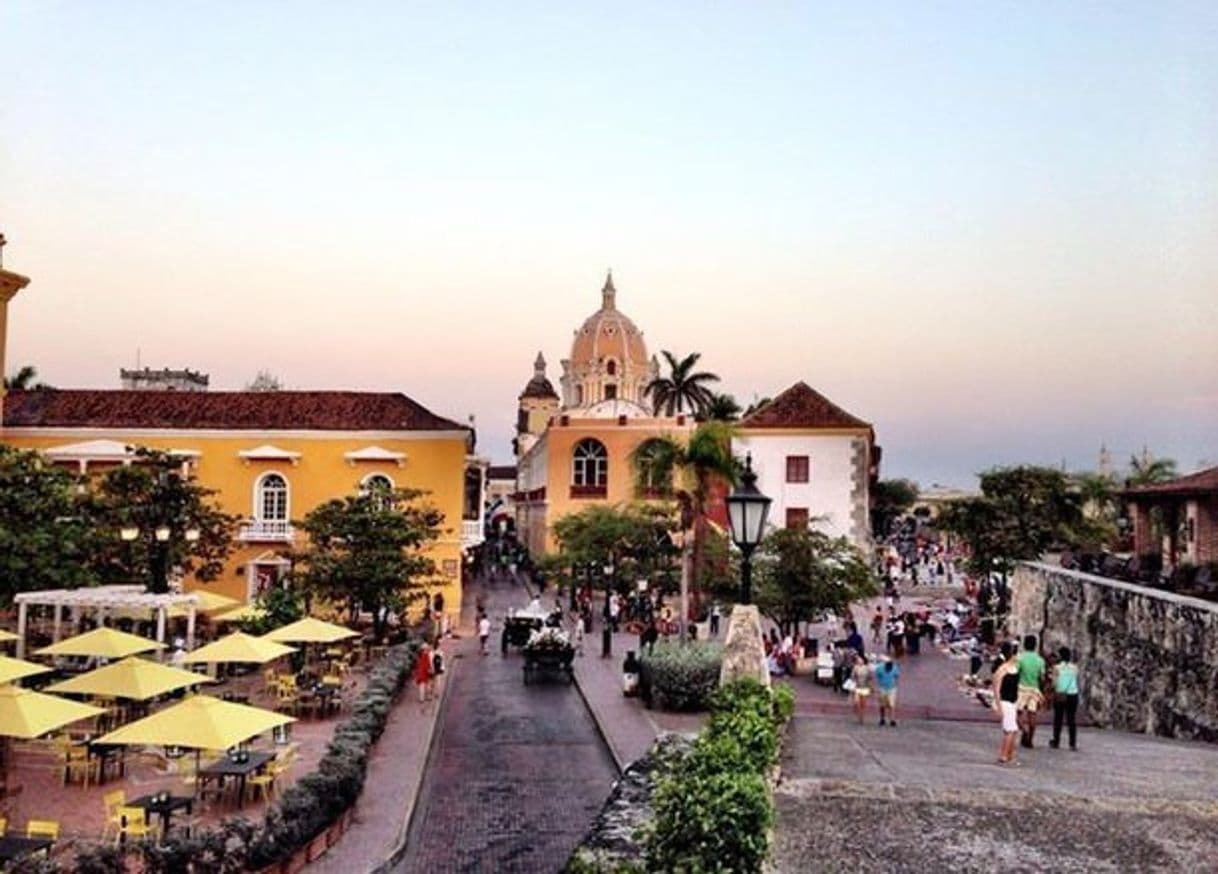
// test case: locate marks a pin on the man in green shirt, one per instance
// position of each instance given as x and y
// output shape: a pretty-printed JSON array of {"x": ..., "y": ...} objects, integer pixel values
[{"x": 1031, "y": 678}]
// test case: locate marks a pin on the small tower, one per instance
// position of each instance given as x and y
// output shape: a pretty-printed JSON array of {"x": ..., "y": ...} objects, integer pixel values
[
  {"x": 10, "y": 284},
  {"x": 1105, "y": 468},
  {"x": 538, "y": 404}
]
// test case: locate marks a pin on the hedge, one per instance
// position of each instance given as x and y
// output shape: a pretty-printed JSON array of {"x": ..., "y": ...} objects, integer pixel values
[
  {"x": 679, "y": 676},
  {"x": 714, "y": 812}
]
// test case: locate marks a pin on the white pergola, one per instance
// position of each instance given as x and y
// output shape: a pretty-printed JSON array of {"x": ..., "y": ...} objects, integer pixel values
[{"x": 101, "y": 599}]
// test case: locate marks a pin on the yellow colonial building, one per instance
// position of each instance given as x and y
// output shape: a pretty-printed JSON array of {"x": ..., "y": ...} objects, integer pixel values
[
  {"x": 574, "y": 451},
  {"x": 270, "y": 456}
]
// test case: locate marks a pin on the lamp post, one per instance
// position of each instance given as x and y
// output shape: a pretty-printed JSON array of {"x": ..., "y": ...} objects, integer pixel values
[
  {"x": 747, "y": 509},
  {"x": 161, "y": 536}
]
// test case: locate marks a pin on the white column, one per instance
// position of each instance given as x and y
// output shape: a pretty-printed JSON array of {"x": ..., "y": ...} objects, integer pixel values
[
  {"x": 160, "y": 624},
  {"x": 190, "y": 627},
  {"x": 58, "y": 621},
  {"x": 21, "y": 617}
]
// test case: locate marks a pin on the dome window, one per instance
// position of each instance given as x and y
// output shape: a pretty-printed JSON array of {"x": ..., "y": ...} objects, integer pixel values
[{"x": 611, "y": 367}]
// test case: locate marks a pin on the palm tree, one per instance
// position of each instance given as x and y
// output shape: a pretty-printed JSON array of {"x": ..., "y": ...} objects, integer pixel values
[
  {"x": 687, "y": 473},
  {"x": 722, "y": 408},
  {"x": 24, "y": 379},
  {"x": 1147, "y": 470},
  {"x": 682, "y": 388}
]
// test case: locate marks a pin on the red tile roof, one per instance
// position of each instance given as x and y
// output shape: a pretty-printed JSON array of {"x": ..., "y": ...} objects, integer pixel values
[
  {"x": 801, "y": 406},
  {"x": 221, "y": 410},
  {"x": 1201, "y": 482}
]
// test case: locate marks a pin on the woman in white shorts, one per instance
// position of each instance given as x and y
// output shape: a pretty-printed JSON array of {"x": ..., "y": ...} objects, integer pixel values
[{"x": 1006, "y": 691}]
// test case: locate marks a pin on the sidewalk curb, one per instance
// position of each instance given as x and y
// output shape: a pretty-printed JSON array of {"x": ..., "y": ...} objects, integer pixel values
[
  {"x": 399, "y": 845},
  {"x": 600, "y": 728}
]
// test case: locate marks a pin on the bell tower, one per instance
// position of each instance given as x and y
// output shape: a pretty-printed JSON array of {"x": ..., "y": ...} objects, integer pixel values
[
  {"x": 537, "y": 405},
  {"x": 10, "y": 284}
]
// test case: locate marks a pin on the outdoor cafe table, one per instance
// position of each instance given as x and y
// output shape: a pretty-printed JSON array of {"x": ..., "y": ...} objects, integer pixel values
[
  {"x": 106, "y": 753},
  {"x": 223, "y": 768},
  {"x": 164, "y": 809},
  {"x": 13, "y": 848}
]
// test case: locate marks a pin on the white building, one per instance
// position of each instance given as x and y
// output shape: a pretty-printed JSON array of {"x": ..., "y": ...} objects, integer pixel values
[{"x": 815, "y": 460}]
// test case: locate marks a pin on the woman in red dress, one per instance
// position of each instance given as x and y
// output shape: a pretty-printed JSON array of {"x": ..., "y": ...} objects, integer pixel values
[{"x": 422, "y": 671}]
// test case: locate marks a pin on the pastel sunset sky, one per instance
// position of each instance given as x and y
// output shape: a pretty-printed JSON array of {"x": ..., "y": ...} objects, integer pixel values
[{"x": 991, "y": 229}]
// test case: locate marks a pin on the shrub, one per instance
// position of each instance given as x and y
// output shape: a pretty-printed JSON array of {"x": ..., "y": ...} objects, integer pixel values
[
  {"x": 682, "y": 676},
  {"x": 713, "y": 811}
]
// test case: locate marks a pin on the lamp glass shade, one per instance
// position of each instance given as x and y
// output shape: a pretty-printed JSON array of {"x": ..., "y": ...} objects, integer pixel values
[
  {"x": 162, "y": 533},
  {"x": 191, "y": 535},
  {"x": 747, "y": 509},
  {"x": 128, "y": 532}
]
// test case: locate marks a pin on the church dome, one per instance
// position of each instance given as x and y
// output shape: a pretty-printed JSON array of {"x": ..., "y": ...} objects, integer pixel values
[{"x": 608, "y": 335}]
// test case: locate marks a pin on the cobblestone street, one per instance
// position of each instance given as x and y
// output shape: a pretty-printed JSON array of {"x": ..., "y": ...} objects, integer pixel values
[
  {"x": 517, "y": 773},
  {"x": 926, "y": 796}
]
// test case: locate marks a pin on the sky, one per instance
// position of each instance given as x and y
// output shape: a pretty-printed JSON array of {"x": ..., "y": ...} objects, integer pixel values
[{"x": 990, "y": 229}]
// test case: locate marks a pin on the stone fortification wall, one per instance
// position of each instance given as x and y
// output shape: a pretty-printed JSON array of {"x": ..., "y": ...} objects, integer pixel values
[{"x": 1148, "y": 660}]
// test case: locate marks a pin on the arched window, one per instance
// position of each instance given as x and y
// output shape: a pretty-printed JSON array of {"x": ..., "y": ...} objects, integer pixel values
[
  {"x": 611, "y": 367},
  {"x": 590, "y": 467},
  {"x": 652, "y": 459},
  {"x": 271, "y": 498},
  {"x": 376, "y": 482}
]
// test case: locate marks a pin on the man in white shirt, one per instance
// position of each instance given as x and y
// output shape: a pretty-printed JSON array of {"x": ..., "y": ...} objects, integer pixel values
[{"x": 484, "y": 632}]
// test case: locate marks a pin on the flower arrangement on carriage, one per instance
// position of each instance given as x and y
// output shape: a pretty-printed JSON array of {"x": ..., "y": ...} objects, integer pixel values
[{"x": 549, "y": 652}]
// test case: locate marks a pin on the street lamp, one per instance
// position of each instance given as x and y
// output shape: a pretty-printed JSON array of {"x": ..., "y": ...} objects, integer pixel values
[
  {"x": 747, "y": 509},
  {"x": 161, "y": 536}
]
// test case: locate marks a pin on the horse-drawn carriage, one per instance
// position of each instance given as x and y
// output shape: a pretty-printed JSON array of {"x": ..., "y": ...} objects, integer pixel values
[{"x": 548, "y": 654}]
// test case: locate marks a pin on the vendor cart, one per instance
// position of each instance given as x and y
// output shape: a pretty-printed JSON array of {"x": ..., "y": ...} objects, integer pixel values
[
  {"x": 518, "y": 628},
  {"x": 548, "y": 655}
]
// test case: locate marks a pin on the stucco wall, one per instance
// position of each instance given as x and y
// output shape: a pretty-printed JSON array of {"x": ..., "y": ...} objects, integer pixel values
[
  {"x": 1148, "y": 660},
  {"x": 836, "y": 486}
]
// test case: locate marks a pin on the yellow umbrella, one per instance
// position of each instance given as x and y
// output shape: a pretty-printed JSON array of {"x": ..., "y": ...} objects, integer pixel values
[
  {"x": 7, "y": 636},
  {"x": 105, "y": 642},
  {"x": 208, "y": 602},
  {"x": 12, "y": 670},
  {"x": 28, "y": 714},
  {"x": 240, "y": 614},
  {"x": 310, "y": 630},
  {"x": 134, "y": 678},
  {"x": 239, "y": 647},
  {"x": 199, "y": 723}
]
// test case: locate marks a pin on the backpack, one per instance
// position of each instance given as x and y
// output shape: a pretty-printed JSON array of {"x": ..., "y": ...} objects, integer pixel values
[{"x": 437, "y": 663}]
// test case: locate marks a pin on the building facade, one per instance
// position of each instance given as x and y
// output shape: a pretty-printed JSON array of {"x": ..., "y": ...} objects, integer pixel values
[
  {"x": 815, "y": 460},
  {"x": 271, "y": 457}
]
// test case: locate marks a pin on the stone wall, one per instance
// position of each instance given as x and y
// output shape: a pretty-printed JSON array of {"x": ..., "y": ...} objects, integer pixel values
[{"x": 1148, "y": 660}]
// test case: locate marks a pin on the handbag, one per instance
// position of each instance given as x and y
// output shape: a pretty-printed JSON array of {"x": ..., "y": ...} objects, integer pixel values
[{"x": 848, "y": 685}]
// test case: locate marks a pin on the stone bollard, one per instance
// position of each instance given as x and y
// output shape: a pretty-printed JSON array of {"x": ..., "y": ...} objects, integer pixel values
[{"x": 744, "y": 647}]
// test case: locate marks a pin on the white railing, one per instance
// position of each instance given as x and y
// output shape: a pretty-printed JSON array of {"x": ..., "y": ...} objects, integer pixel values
[
  {"x": 471, "y": 532},
  {"x": 266, "y": 530}
]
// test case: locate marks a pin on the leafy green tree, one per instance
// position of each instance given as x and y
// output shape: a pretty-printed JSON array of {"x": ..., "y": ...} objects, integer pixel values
[
  {"x": 690, "y": 473},
  {"x": 25, "y": 378},
  {"x": 1147, "y": 471},
  {"x": 149, "y": 497},
  {"x": 634, "y": 539},
  {"x": 277, "y": 606},
  {"x": 684, "y": 389},
  {"x": 367, "y": 551},
  {"x": 1021, "y": 512},
  {"x": 890, "y": 499},
  {"x": 803, "y": 572},
  {"x": 722, "y": 408},
  {"x": 45, "y": 537}
]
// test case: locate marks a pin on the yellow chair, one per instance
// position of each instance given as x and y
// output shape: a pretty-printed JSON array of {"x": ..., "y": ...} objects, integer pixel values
[
  {"x": 42, "y": 828},
  {"x": 78, "y": 761},
  {"x": 286, "y": 699},
  {"x": 113, "y": 802},
  {"x": 133, "y": 824},
  {"x": 264, "y": 784}
]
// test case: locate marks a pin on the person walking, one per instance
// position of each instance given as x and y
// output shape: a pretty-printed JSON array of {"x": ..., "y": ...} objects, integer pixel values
[
  {"x": 422, "y": 671},
  {"x": 715, "y": 614},
  {"x": 484, "y": 633},
  {"x": 1006, "y": 693},
  {"x": 877, "y": 626},
  {"x": 1031, "y": 677},
  {"x": 886, "y": 676},
  {"x": 1065, "y": 698},
  {"x": 860, "y": 686}
]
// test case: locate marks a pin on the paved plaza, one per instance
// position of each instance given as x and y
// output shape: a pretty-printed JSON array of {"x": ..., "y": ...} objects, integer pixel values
[
  {"x": 517, "y": 773},
  {"x": 927, "y": 795}
]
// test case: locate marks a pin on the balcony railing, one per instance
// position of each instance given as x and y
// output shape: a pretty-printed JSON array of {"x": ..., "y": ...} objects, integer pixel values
[{"x": 266, "y": 530}]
